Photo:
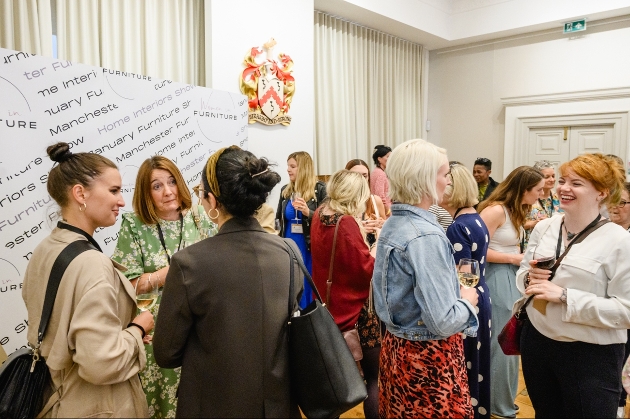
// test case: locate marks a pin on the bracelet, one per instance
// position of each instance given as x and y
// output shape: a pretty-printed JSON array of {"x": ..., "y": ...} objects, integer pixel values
[
  {"x": 150, "y": 286},
  {"x": 563, "y": 297},
  {"x": 158, "y": 281},
  {"x": 144, "y": 333}
]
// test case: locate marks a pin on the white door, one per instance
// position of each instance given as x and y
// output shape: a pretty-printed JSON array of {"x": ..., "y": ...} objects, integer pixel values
[{"x": 560, "y": 144}]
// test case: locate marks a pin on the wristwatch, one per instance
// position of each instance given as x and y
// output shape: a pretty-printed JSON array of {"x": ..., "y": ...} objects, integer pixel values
[{"x": 563, "y": 297}]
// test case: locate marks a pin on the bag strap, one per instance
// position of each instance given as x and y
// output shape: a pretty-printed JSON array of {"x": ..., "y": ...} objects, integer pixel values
[
  {"x": 583, "y": 235},
  {"x": 332, "y": 262},
  {"x": 66, "y": 256},
  {"x": 294, "y": 255}
]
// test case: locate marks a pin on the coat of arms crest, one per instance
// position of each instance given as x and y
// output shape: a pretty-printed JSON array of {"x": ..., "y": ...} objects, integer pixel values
[{"x": 269, "y": 86}]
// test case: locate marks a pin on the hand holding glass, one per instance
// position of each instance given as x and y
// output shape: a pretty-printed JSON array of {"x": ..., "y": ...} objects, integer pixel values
[
  {"x": 544, "y": 260},
  {"x": 147, "y": 300},
  {"x": 468, "y": 272},
  {"x": 294, "y": 196}
]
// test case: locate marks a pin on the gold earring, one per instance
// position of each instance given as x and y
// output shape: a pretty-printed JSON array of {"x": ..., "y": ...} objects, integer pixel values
[
  {"x": 84, "y": 207},
  {"x": 216, "y": 216}
]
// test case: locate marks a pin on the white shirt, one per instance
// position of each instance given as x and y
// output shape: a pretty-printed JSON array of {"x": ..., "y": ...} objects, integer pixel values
[{"x": 596, "y": 274}]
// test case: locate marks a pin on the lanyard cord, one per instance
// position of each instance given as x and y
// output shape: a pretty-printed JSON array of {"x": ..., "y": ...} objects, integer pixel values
[
  {"x": 595, "y": 221},
  {"x": 181, "y": 235},
  {"x": 81, "y": 232}
]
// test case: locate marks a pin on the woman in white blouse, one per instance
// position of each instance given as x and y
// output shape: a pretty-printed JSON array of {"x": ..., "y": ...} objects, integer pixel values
[{"x": 572, "y": 346}]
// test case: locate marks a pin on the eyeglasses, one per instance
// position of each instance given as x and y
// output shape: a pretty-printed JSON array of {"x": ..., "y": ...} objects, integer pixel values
[
  {"x": 621, "y": 204},
  {"x": 198, "y": 190}
]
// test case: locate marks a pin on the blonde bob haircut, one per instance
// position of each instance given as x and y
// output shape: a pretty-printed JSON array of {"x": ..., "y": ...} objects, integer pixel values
[
  {"x": 143, "y": 204},
  {"x": 412, "y": 171},
  {"x": 462, "y": 192},
  {"x": 604, "y": 172},
  {"x": 305, "y": 178},
  {"x": 347, "y": 192}
]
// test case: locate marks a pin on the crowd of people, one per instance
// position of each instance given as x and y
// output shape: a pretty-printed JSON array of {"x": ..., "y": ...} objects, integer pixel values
[{"x": 386, "y": 249}]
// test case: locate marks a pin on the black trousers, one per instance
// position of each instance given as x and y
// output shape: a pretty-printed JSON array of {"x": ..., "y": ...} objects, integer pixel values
[
  {"x": 571, "y": 379},
  {"x": 624, "y": 395}
]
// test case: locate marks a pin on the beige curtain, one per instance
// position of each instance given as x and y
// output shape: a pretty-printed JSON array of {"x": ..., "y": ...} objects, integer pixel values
[
  {"x": 25, "y": 25},
  {"x": 368, "y": 91},
  {"x": 159, "y": 38}
]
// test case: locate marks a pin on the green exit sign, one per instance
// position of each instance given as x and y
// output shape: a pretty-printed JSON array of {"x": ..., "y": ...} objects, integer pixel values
[{"x": 575, "y": 26}]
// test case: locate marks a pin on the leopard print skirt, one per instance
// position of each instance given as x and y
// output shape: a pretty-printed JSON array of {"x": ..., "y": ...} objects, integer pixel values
[{"x": 423, "y": 379}]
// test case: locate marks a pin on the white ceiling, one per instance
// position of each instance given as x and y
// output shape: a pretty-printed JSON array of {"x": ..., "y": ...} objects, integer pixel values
[{"x": 446, "y": 23}]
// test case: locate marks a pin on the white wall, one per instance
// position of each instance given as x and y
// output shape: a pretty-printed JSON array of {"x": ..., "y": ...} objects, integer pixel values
[
  {"x": 235, "y": 27},
  {"x": 466, "y": 85}
]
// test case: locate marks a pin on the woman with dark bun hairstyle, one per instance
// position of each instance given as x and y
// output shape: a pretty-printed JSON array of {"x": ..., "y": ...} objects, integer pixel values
[
  {"x": 379, "y": 185},
  {"x": 226, "y": 300},
  {"x": 93, "y": 345}
]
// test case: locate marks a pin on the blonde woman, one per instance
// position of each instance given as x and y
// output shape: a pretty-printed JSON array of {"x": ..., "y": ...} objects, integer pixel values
[
  {"x": 468, "y": 235},
  {"x": 417, "y": 295},
  {"x": 352, "y": 268},
  {"x": 298, "y": 201}
]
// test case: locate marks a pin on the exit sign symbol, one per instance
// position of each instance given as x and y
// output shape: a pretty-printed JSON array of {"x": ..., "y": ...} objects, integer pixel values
[{"x": 575, "y": 26}]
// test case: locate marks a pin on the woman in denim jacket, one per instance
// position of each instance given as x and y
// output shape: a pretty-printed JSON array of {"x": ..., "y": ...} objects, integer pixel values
[{"x": 418, "y": 297}]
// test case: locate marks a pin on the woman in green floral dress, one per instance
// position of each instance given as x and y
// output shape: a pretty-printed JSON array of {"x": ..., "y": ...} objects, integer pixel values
[{"x": 162, "y": 224}]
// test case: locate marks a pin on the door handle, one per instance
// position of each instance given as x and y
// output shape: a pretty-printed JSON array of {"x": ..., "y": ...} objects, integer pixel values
[{"x": 566, "y": 130}]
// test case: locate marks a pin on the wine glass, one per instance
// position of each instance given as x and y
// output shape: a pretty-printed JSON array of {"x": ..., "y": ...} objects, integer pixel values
[
  {"x": 468, "y": 272},
  {"x": 147, "y": 300},
  {"x": 294, "y": 196},
  {"x": 545, "y": 259}
]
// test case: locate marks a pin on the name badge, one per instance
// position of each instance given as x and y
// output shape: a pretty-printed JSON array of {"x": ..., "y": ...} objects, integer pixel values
[{"x": 297, "y": 229}]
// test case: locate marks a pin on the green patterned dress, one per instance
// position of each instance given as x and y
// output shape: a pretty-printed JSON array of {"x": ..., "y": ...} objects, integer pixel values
[{"x": 139, "y": 249}]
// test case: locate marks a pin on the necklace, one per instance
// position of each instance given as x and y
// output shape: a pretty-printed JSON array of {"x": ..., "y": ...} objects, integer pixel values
[{"x": 570, "y": 235}]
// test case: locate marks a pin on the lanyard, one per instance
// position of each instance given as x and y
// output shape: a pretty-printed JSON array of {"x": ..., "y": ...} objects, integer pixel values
[
  {"x": 595, "y": 221},
  {"x": 81, "y": 232},
  {"x": 181, "y": 235}
]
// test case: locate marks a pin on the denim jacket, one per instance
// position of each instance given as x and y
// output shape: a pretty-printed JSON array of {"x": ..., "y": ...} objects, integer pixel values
[{"x": 416, "y": 290}]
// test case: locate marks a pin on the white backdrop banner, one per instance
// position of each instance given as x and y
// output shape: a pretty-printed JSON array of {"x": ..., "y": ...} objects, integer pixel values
[{"x": 124, "y": 116}]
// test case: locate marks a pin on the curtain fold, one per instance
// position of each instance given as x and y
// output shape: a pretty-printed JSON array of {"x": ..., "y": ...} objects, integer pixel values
[
  {"x": 368, "y": 91},
  {"x": 26, "y": 25},
  {"x": 159, "y": 38}
]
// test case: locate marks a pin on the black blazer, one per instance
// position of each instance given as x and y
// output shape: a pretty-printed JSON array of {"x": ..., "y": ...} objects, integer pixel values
[
  {"x": 223, "y": 319},
  {"x": 320, "y": 195}
]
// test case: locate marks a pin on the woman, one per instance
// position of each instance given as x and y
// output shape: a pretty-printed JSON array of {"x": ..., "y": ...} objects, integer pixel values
[
  {"x": 374, "y": 215},
  {"x": 572, "y": 355},
  {"x": 298, "y": 201},
  {"x": 90, "y": 345},
  {"x": 504, "y": 213},
  {"x": 351, "y": 270},
  {"x": 548, "y": 203},
  {"x": 468, "y": 235},
  {"x": 620, "y": 215},
  {"x": 379, "y": 185},
  {"x": 418, "y": 297},
  {"x": 160, "y": 226},
  {"x": 224, "y": 311}
]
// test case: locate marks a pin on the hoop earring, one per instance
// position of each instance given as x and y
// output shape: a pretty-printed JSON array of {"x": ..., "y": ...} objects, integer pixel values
[
  {"x": 216, "y": 216},
  {"x": 84, "y": 207}
]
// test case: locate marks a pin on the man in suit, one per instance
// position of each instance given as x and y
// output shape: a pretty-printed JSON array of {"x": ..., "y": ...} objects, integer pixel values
[{"x": 481, "y": 171}]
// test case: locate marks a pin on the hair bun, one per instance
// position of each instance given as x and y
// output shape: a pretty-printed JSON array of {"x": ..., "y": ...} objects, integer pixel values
[{"x": 59, "y": 152}]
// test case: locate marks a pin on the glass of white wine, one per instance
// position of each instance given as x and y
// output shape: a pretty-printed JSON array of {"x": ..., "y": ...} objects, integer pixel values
[
  {"x": 468, "y": 272},
  {"x": 147, "y": 300},
  {"x": 294, "y": 196}
]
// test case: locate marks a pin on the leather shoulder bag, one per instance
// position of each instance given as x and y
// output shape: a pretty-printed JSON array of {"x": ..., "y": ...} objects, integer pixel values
[
  {"x": 25, "y": 382},
  {"x": 324, "y": 376}
]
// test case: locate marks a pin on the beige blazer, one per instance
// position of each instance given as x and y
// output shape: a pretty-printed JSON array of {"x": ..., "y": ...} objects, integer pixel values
[{"x": 93, "y": 358}]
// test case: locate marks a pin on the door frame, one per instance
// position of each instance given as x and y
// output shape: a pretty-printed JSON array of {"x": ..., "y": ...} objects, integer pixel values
[{"x": 579, "y": 108}]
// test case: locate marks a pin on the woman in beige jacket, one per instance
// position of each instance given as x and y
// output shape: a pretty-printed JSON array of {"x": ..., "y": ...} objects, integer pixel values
[{"x": 93, "y": 344}]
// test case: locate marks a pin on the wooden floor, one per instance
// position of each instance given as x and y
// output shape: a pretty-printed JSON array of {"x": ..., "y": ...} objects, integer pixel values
[{"x": 522, "y": 400}]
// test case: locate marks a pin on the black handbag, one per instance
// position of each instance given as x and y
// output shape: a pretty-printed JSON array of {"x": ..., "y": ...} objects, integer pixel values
[
  {"x": 324, "y": 376},
  {"x": 25, "y": 383}
]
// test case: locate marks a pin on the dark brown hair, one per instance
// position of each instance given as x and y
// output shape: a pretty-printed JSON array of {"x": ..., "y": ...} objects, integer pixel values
[
  {"x": 73, "y": 169},
  {"x": 143, "y": 203},
  {"x": 510, "y": 193}
]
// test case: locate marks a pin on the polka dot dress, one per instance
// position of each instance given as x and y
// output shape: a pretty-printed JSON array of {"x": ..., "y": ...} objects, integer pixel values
[{"x": 469, "y": 237}]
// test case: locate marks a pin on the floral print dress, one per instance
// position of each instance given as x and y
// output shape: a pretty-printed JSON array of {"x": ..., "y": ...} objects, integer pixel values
[{"x": 139, "y": 249}]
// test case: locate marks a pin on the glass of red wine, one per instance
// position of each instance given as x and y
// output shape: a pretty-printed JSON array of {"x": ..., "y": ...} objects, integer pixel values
[{"x": 544, "y": 260}]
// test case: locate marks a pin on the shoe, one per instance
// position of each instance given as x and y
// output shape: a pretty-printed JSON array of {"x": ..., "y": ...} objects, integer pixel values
[
  {"x": 621, "y": 411},
  {"x": 516, "y": 408}
]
